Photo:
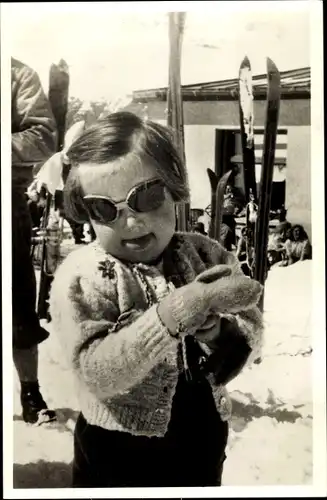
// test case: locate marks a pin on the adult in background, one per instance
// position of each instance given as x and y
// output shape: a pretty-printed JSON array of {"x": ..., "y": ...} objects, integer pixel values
[
  {"x": 242, "y": 251},
  {"x": 228, "y": 231},
  {"x": 228, "y": 225},
  {"x": 199, "y": 228},
  {"x": 276, "y": 243},
  {"x": 77, "y": 229},
  {"x": 282, "y": 214},
  {"x": 297, "y": 246},
  {"x": 33, "y": 140},
  {"x": 36, "y": 203}
]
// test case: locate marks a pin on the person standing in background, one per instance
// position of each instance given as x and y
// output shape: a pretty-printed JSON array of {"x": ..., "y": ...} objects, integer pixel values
[
  {"x": 199, "y": 228},
  {"x": 33, "y": 141}
]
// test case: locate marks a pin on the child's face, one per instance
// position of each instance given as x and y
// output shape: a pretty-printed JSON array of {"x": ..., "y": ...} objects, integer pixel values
[{"x": 133, "y": 236}]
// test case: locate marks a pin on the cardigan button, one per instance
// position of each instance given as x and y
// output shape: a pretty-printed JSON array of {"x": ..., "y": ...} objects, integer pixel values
[{"x": 223, "y": 401}]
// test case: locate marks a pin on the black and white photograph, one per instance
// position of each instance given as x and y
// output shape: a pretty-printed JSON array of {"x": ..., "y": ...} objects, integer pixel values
[{"x": 163, "y": 260}]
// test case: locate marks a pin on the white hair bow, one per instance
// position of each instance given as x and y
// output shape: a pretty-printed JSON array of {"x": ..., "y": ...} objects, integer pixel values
[{"x": 50, "y": 174}]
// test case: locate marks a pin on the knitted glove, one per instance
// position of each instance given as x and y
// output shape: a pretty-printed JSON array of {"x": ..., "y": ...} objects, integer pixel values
[
  {"x": 186, "y": 309},
  {"x": 233, "y": 293},
  {"x": 230, "y": 354},
  {"x": 214, "y": 273},
  {"x": 208, "y": 329}
]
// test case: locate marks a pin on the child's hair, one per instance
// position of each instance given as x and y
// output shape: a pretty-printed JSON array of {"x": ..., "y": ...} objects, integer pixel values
[{"x": 115, "y": 137}]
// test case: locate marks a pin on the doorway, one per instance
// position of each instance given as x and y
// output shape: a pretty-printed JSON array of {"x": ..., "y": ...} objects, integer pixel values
[{"x": 228, "y": 156}]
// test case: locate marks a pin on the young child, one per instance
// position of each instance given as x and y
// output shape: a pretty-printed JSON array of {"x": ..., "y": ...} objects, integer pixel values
[{"x": 154, "y": 322}]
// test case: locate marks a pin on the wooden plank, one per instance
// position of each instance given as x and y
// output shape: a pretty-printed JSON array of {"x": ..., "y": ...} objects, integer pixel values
[{"x": 175, "y": 117}]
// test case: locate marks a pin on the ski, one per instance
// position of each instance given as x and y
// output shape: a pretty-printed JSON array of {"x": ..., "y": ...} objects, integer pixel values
[
  {"x": 175, "y": 100},
  {"x": 218, "y": 187},
  {"x": 268, "y": 158},
  {"x": 247, "y": 128},
  {"x": 247, "y": 140},
  {"x": 213, "y": 179},
  {"x": 220, "y": 191},
  {"x": 58, "y": 98}
]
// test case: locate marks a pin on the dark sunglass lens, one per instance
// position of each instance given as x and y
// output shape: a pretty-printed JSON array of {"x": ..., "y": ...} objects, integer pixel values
[
  {"x": 101, "y": 210},
  {"x": 147, "y": 197}
]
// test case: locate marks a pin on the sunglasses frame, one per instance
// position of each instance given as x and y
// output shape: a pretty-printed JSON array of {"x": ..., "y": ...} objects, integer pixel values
[{"x": 120, "y": 205}]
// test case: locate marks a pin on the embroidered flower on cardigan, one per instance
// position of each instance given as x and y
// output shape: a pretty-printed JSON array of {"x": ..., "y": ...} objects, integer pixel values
[{"x": 107, "y": 269}]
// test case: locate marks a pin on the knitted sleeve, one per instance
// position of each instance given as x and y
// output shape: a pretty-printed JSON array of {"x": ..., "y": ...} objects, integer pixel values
[{"x": 110, "y": 353}]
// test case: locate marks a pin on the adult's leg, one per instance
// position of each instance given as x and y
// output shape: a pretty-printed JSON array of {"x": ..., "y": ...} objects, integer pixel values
[
  {"x": 27, "y": 332},
  {"x": 92, "y": 233},
  {"x": 26, "y": 363},
  {"x": 77, "y": 231}
]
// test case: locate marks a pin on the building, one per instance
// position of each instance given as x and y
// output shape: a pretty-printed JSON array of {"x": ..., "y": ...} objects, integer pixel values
[{"x": 212, "y": 136}]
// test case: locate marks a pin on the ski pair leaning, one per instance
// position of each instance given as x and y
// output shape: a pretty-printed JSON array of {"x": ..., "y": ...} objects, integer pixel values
[{"x": 258, "y": 205}]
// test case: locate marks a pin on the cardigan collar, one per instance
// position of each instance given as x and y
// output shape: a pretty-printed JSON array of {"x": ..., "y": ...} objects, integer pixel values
[{"x": 174, "y": 261}]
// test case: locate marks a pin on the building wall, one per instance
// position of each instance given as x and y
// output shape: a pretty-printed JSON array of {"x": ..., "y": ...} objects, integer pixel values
[
  {"x": 202, "y": 118},
  {"x": 298, "y": 177},
  {"x": 226, "y": 113}
]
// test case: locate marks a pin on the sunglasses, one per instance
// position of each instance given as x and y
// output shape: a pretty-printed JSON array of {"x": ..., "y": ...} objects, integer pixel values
[{"x": 144, "y": 197}]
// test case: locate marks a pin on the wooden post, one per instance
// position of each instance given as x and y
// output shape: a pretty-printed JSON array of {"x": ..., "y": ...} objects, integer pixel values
[{"x": 175, "y": 100}]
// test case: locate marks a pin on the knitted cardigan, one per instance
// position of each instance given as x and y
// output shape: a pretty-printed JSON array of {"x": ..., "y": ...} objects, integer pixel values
[{"x": 123, "y": 357}]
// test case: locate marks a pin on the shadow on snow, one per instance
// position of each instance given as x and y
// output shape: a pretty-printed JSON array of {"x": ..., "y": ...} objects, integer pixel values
[
  {"x": 42, "y": 474},
  {"x": 246, "y": 408}
]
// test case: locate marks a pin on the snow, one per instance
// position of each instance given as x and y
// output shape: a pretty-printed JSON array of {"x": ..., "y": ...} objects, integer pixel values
[
  {"x": 271, "y": 437},
  {"x": 271, "y": 429}
]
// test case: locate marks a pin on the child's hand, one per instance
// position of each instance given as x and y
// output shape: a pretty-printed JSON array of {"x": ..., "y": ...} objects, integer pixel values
[
  {"x": 210, "y": 322},
  {"x": 231, "y": 292},
  {"x": 214, "y": 273},
  {"x": 210, "y": 328},
  {"x": 186, "y": 309}
]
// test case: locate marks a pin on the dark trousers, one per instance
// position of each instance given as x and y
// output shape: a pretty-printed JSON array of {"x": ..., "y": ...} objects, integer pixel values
[
  {"x": 26, "y": 327},
  {"x": 190, "y": 454}
]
